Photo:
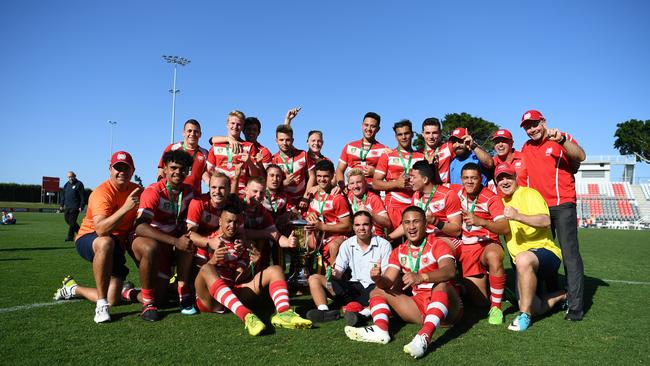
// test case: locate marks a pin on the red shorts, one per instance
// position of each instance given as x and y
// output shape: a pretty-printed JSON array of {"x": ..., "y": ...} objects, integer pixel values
[
  {"x": 470, "y": 259},
  {"x": 325, "y": 249},
  {"x": 423, "y": 299},
  {"x": 165, "y": 257}
]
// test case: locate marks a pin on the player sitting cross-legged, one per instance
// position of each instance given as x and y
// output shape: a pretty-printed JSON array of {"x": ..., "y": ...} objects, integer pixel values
[
  {"x": 426, "y": 265},
  {"x": 227, "y": 279}
]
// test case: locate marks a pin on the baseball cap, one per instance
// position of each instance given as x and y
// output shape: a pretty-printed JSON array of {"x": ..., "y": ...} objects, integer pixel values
[
  {"x": 502, "y": 133},
  {"x": 122, "y": 157},
  {"x": 458, "y": 133},
  {"x": 531, "y": 115},
  {"x": 504, "y": 168}
]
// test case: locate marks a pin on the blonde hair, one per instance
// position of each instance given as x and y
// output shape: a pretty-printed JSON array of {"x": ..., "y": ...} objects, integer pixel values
[
  {"x": 355, "y": 171},
  {"x": 238, "y": 114}
]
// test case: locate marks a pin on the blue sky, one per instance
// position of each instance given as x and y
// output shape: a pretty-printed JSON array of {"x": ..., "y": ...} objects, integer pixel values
[{"x": 69, "y": 66}]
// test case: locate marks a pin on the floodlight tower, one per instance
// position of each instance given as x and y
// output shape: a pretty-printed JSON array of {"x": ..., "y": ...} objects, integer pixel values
[
  {"x": 175, "y": 60},
  {"x": 112, "y": 124}
]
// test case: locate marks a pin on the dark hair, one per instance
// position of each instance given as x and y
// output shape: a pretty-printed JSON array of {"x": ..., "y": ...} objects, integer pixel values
[
  {"x": 286, "y": 129},
  {"x": 374, "y": 116},
  {"x": 402, "y": 123},
  {"x": 178, "y": 156},
  {"x": 253, "y": 121},
  {"x": 313, "y": 132},
  {"x": 324, "y": 166},
  {"x": 471, "y": 166},
  {"x": 428, "y": 170},
  {"x": 432, "y": 121},
  {"x": 192, "y": 122},
  {"x": 414, "y": 209},
  {"x": 233, "y": 205},
  {"x": 362, "y": 213},
  {"x": 258, "y": 180},
  {"x": 274, "y": 166}
]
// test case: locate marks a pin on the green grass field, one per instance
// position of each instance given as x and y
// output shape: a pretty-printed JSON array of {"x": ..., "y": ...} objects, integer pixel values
[{"x": 34, "y": 258}]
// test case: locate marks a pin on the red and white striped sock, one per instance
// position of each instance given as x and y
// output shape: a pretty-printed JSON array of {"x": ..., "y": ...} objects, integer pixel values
[
  {"x": 436, "y": 313},
  {"x": 220, "y": 291},
  {"x": 497, "y": 285},
  {"x": 147, "y": 296},
  {"x": 130, "y": 294},
  {"x": 280, "y": 295},
  {"x": 183, "y": 292},
  {"x": 380, "y": 312}
]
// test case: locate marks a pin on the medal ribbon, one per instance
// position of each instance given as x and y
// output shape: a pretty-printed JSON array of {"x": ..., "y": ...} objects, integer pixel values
[
  {"x": 286, "y": 164},
  {"x": 176, "y": 208},
  {"x": 425, "y": 207},
  {"x": 415, "y": 268},
  {"x": 355, "y": 208},
  {"x": 407, "y": 167},
  {"x": 363, "y": 156},
  {"x": 321, "y": 204},
  {"x": 274, "y": 208},
  {"x": 193, "y": 156}
]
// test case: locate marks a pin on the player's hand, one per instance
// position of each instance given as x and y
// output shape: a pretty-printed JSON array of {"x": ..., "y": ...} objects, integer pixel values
[
  {"x": 510, "y": 213},
  {"x": 184, "y": 243},
  {"x": 472, "y": 220},
  {"x": 468, "y": 141},
  {"x": 133, "y": 200},
  {"x": 238, "y": 169},
  {"x": 215, "y": 243},
  {"x": 554, "y": 134},
  {"x": 254, "y": 254},
  {"x": 368, "y": 171},
  {"x": 411, "y": 279},
  {"x": 292, "y": 241},
  {"x": 259, "y": 157},
  {"x": 402, "y": 182},
  {"x": 312, "y": 191},
  {"x": 375, "y": 272},
  {"x": 291, "y": 114},
  {"x": 431, "y": 218},
  {"x": 219, "y": 255},
  {"x": 234, "y": 145}
]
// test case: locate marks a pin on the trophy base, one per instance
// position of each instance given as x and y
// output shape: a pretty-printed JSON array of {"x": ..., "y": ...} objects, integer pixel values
[{"x": 299, "y": 278}]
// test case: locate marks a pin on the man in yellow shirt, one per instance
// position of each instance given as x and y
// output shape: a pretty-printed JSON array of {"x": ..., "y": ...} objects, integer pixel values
[{"x": 530, "y": 244}]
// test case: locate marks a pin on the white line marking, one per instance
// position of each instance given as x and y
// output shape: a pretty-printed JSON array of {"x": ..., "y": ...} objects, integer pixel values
[
  {"x": 628, "y": 282},
  {"x": 33, "y": 306}
]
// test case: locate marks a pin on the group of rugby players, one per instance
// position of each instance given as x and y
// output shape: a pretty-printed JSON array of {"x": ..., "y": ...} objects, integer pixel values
[{"x": 391, "y": 228}]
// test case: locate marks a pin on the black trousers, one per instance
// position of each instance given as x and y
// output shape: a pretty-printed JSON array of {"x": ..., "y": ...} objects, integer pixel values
[
  {"x": 564, "y": 224},
  {"x": 71, "y": 215}
]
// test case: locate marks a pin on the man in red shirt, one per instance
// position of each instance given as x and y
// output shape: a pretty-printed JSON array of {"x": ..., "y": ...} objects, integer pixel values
[
  {"x": 159, "y": 231},
  {"x": 427, "y": 267},
  {"x": 362, "y": 154},
  {"x": 296, "y": 165},
  {"x": 392, "y": 172},
  {"x": 481, "y": 252},
  {"x": 103, "y": 235},
  {"x": 505, "y": 153},
  {"x": 190, "y": 144},
  {"x": 436, "y": 151},
  {"x": 553, "y": 157},
  {"x": 252, "y": 130},
  {"x": 361, "y": 199}
]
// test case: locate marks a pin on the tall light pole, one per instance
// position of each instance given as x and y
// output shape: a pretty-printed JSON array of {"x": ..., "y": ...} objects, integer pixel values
[
  {"x": 176, "y": 60},
  {"x": 113, "y": 124}
]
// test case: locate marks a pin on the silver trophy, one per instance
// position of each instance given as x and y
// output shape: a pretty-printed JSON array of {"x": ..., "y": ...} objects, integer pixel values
[{"x": 308, "y": 244}]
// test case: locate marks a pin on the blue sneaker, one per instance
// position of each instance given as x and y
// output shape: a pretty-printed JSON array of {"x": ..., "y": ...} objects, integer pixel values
[{"x": 520, "y": 323}]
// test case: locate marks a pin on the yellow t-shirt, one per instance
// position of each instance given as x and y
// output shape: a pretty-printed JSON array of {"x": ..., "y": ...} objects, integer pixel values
[{"x": 523, "y": 237}]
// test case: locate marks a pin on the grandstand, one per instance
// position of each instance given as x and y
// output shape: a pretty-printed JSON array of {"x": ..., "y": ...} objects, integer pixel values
[{"x": 607, "y": 202}]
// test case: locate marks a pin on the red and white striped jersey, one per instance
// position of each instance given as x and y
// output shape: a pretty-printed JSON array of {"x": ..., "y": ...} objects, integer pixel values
[
  {"x": 202, "y": 215},
  {"x": 445, "y": 154},
  {"x": 443, "y": 204},
  {"x": 356, "y": 155},
  {"x": 166, "y": 214},
  {"x": 221, "y": 159},
  {"x": 299, "y": 163},
  {"x": 487, "y": 205},
  {"x": 392, "y": 165}
]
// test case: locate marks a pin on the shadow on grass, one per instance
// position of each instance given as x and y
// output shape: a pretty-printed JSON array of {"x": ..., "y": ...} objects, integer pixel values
[
  {"x": 36, "y": 248},
  {"x": 15, "y": 259}
]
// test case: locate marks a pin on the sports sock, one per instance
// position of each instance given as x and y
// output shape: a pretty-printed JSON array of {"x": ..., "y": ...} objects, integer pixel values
[
  {"x": 280, "y": 295},
  {"x": 436, "y": 312},
  {"x": 73, "y": 290},
  {"x": 323, "y": 307},
  {"x": 130, "y": 294},
  {"x": 497, "y": 285},
  {"x": 365, "y": 312},
  {"x": 147, "y": 296},
  {"x": 380, "y": 312},
  {"x": 101, "y": 302},
  {"x": 183, "y": 293},
  {"x": 224, "y": 295}
]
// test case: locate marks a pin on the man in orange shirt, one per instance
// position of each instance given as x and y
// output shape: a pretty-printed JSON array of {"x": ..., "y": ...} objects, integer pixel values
[{"x": 103, "y": 235}]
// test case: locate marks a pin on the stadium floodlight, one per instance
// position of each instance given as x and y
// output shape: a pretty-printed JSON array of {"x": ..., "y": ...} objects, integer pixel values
[
  {"x": 112, "y": 124},
  {"x": 175, "y": 60}
]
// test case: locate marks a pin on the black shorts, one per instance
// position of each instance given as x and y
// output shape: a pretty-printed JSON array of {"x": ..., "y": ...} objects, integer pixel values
[
  {"x": 348, "y": 291},
  {"x": 84, "y": 246}
]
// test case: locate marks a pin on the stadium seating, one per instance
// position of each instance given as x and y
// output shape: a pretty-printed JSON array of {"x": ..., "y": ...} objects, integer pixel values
[{"x": 608, "y": 202}]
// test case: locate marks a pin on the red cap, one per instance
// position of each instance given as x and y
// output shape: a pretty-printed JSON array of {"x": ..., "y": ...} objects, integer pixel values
[
  {"x": 531, "y": 115},
  {"x": 502, "y": 133},
  {"x": 504, "y": 168},
  {"x": 122, "y": 157},
  {"x": 459, "y": 133}
]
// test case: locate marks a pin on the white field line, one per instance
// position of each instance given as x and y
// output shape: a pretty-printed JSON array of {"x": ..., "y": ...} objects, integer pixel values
[
  {"x": 628, "y": 282},
  {"x": 33, "y": 306}
]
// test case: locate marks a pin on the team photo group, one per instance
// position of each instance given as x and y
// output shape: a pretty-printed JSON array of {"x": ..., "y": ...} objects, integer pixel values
[{"x": 386, "y": 230}]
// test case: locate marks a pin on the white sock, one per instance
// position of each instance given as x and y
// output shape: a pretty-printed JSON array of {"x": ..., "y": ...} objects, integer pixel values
[
  {"x": 73, "y": 290},
  {"x": 365, "y": 312},
  {"x": 323, "y": 307},
  {"x": 101, "y": 302}
]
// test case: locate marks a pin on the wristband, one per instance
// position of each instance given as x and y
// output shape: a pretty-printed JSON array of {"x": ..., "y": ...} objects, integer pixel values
[
  {"x": 474, "y": 145},
  {"x": 562, "y": 140},
  {"x": 439, "y": 224}
]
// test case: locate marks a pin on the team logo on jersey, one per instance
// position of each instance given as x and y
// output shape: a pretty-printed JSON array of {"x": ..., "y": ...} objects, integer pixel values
[
  {"x": 549, "y": 151},
  {"x": 402, "y": 261},
  {"x": 438, "y": 206},
  {"x": 425, "y": 261},
  {"x": 518, "y": 164},
  {"x": 353, "y": 150},
  {"x": 201, "y": 157},
  {"x": 395, "y": 161},
  {"x": 167, "y": 206}
]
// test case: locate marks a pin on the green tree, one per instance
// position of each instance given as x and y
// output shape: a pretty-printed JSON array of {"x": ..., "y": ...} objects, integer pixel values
[
  {"x": 633, "y": 137},
  {"x": 480, "y": 129}
]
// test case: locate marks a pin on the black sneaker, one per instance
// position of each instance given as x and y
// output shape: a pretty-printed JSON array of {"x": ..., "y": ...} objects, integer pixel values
[
  {"x": 574, "y": 315},
  {"x": 353, "y": 319},
  {"x": 150, "y": 313},
  {"x": 321, "y": 316}
]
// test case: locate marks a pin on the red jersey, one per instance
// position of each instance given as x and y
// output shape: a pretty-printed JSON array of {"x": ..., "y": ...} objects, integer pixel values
[
  {"x": 392, "y": 164},
  {"x": 258, "y": 218},
  {"x": 357, "y": 155},
  {"x": 195, "y": 175},
  {"x": 445, "y": 154},
  {"x": 276, "y": 203},
  {"x": 405, "y": 259},
  {"x": 221, "y": 159},
  {"x": 373, "y": 204},
  {"x": 519, "y": 164},
  {"x": 486, "y": 206},
  {"x": 266, "y": 154},
  {"x": 234, "y": 258},
  {"x": 202, "y": 215},
  {"x": 299, "y": 163},
  {"x": 167, "y": 215},
  {"x": 330, "y": 208},
  {"x": 550, "y": 171},
  {"x": 443, "y": 203}
]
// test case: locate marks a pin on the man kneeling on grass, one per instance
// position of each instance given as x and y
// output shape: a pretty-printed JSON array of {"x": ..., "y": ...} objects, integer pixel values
[
  {"x": 103, "y": 236},
  {"x": 228, "y": 279},
  {"x": 427, "y": 266},
  {"x": 530, "y": 244}
]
